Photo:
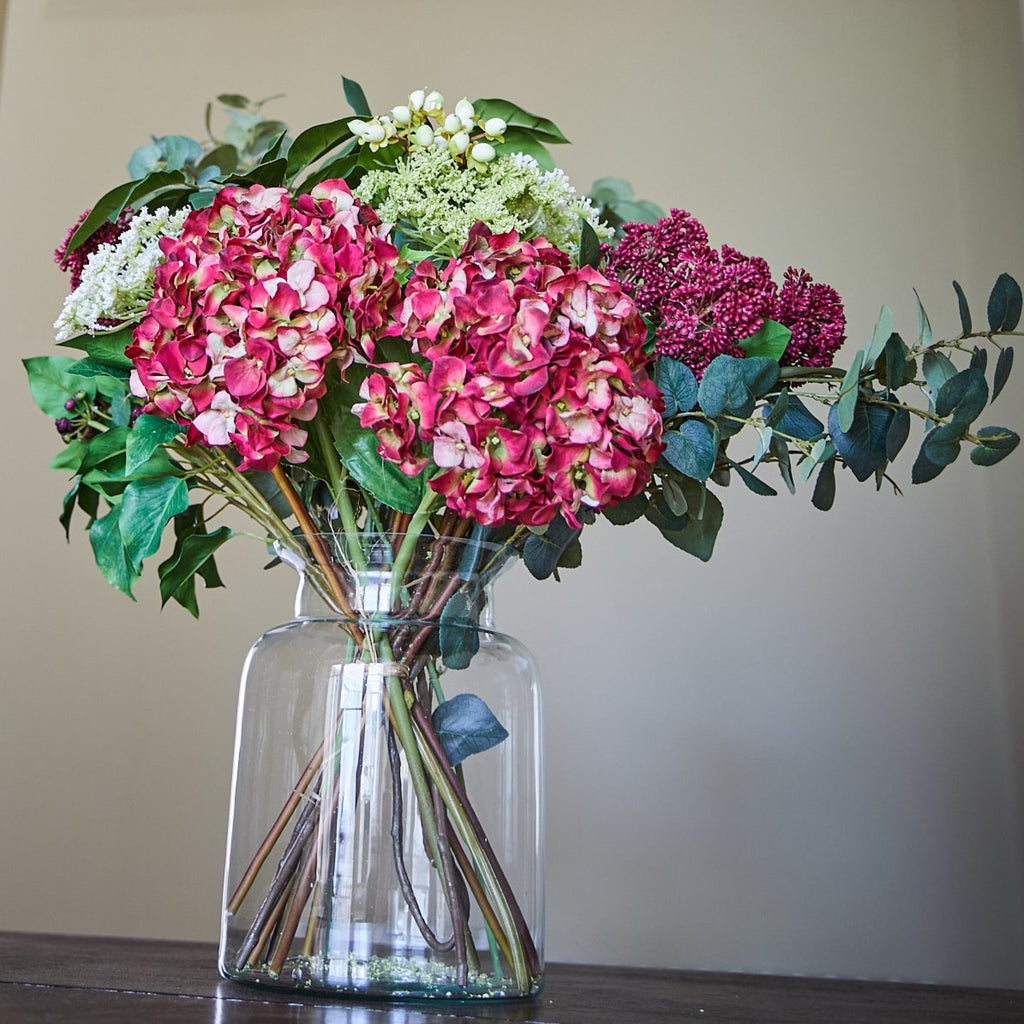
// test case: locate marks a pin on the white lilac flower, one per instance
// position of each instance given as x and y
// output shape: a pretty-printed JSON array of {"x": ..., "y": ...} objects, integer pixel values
[{"x": 117, "y": 280}]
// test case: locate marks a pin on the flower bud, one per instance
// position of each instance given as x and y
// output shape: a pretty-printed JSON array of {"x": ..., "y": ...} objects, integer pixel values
[
  {"x": 357, "y": 126},
  {"x": 464, "y": 109},
  {"x": 494, "y": 126},
  {"x": 416, "y": 100},
  {"x": 401, "y": 115},
  {"x": 459, "y": 143},
  {"x": 424, "y": 135},
  {"x": 453, "y": 124},
  {"x": 373, "y": 133},
  {"x": 433, "y": 104},
  {"x": 482, "y": 152}
]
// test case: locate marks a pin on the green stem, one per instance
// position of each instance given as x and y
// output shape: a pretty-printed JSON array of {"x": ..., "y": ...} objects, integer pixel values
[
  {"x": 412, "y": 536},
  {"x": 338, "y": 484}
]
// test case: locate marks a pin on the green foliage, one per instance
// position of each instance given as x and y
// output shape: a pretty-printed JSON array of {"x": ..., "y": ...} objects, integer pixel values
[
  {"x": 465, "y": 725},
  {"x": 769, "y": 342},
  {"x": 543, "y": 552}
]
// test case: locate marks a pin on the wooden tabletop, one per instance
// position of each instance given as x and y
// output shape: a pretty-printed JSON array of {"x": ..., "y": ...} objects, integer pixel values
[{"x": 71, "y": 978}]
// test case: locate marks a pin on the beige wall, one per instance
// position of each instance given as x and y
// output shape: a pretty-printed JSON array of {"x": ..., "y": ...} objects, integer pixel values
[{"x": 803, "y": 757}]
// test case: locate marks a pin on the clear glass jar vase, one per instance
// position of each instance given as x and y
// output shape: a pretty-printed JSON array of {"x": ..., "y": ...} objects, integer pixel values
[{"x": 385, "y": 832}]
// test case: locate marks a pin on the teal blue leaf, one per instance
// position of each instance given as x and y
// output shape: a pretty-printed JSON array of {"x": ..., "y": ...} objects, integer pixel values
[
  {"x": 625, "y": 512},
  {"x": 898, "y": 368},
  {"x": 941, "y": 445},
  {"x": 979, "y": 358},
  {"x": 778, "y": 411},
  {"x": 938, "y": 368},
  {"x": 677, "y": 384},
  {"x": 799, "y": 422},
  {"x": 849, "y": 391},
  {"x": 824, "y": 494},
  {"x": 754, "y": 483},
  {"x": 458, "y": 634},
  {"x": 1003, "y": 366},
  {"x": 863, "y": 446},
  {"x": 1004, "y": 304},
  {"x": 965, "y": 310},
  {"x": 964, "y": 395},
  {"x": 146, "y": 508},
  {"x": 465, "y": 725},
  {"x": 924, "y": 327},
  {"x": 692, "y": 449},
  {"x": 995, "y": 443},
  {"x": 883, "y": 328},
  {"x": 770, "y": 341},
  {"x": 924, "y": 469},
  {"x": 899, "y": 431},
  {"x": 697, "y": 535},
  {"x": 542, "y": 551},
  {"x": 723, "y": 387},
  {"x": 148, "y": 434}
]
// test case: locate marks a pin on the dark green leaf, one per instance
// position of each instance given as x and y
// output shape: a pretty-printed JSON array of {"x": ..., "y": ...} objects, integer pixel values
[
  {"x": 355, "y": 97},
  {"x": 824, "y": 494},
  {"x": 625, "y": 512},
  {"x": 106, "y": 349},
  {"x": 863, "y": 446},
  {"x": 899, "y": 431},
  {"x": 516, "y": 117},
  {"x": 87, "y": 368},
  {"x": 924, "y": 326},
  {"x": 691, "y": 449},
  {"x": 270, "y": 174},
  {"x": 979, "y": 359},
  {"x": 1004, "y": 304},
  {"x": 898, "y": 368},
  {"x": 677, "y": 383},
  {"x": 234, "y": 100},
  {"x": 723, "y": 387},
  {"x": 458, "y": 635},
  {"x": 572, "y": 556},
  {"x": 849, "y": 392},
  {"x": 924, "y": 469},
  {"x": 109, "y": 552},
  {"x": 519, "y": 141},
  {"x": 466, "y": 725},
  {"x": 145, "y": 437},
  {"x": 1003, "y": 366},
  {"x": 542, "y": 551},
  {"x": 590, "y": 246},
  {"x": 193, "y": 555},
  {"x": 146, "y": 507},
  {"x": 778, "y": 411},
  {"x": 223, "y": 157},
  {"x": 316, "y": 142},
  {"x": 120, "y": 406},
  {"x": 769, "y": 342},
  {"x": 755, "y": 484},
  {"x": 995, "y": 443},
  {"x": 941, "y": 445},
  {"x": 68, "y": 507},
  {"x": 883, "y": 328},
  {"x": 965, "y": 310}
]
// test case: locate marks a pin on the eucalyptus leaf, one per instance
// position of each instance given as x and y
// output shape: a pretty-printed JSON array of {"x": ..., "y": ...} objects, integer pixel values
[
  {"x": 899, "y": 431},
  {"x": 677, "y": 384},
  {"x": 778, "y": 447},
  {"x": 625, "y": 512},
  {"x": 465, "y": 725},
  {"x": 964, "y": 395},
  {"x": 995, "y": 443},
  {"x": 924, "y": 469},
  {"x": 824, "y": 494},
  {"x": 542, "y": 551},
  {"x": 457, "y": 635},
  {"x": 754, "y": 483},
  {"x": 941, "y": 445},
  {"x": 697, "y": 536},
  {"x": 1003, "y": 366},
  {"x": 924, "y": 326},
  {"x": 849, "y": 391},
  {"x": 883, "y": 328},
  {"x": 1004, "y": 304},
  {"x": 798, "y": 421},
  {"x": 863, "y": 446},
  {"x": 692, "y": 449},
  {"x": 778, "y": 411},
  {"x": 723, "y": 387},
  {"x": 965, "y": 309},
  {"x": 938, "y": 368},
  {"x": 979, "y": 359}
]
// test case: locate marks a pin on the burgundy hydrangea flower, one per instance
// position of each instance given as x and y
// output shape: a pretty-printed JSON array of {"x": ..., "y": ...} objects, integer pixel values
[
  {"x": 704, "y": 302},
  {"x": 108, "y": 232},
  {"x": 256, "y": 296},
  {"x": 814, "y": 314},
  {"x": 535, "y": 398}
]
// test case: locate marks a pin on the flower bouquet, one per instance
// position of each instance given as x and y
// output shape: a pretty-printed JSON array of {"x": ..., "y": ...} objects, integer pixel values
[{"x": 409, "y": 352}]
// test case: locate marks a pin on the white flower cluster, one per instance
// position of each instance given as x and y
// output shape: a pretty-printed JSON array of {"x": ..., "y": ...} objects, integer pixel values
[
  {"x": 117, "y": 280},
  {"x": 422, "y": 122}
]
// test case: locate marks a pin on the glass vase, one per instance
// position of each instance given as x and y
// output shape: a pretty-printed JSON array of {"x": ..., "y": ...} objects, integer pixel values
[{"x": 385, "y": 830}]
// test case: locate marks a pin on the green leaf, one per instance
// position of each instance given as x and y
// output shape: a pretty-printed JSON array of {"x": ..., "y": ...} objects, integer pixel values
[
  {"x": 941, "y": 445},
  {"x": 270, "y": 174},
  {"x": 824, "y": 494},
  {"x": 778, "y": 411},
  {"x": 965, "y": 310},
  {"x": 109, "y": 551},
  {"x": 924, "y": 469},
  {"x": 1003, "y": 366},
  {"x": 995, "y": 443},
  {"x": 223, "y": 157},
  {"x": 769, "y": 342},
  {"x": 193, "y": 555},
  {"x": 355, "y": 97},
  {"x": 106, "y": 349},
  {"x": 357, "y": 448},
  {"x": 979, "y": 358},
  {"x": 938, "y": 368},
  {"x": 590, "y": 246},
  {"x": 70, "y": 457},
  {"x": 316, "y": 142},
  {"x": 883, "y": 328},
  {"x": 234, "y": 99},
  {"x": 692, "y": 449},
  {"x": 87, "y": 368},
  {"x": 120, "y": 406},
  {"x": 849, "y": 391},
  {"x": 799, "y": 422},
  {"x": 863, "y": 446},
  {"x": 898, "y": 368},
  {"x": 780, "y": 450},
  {"x": 516, "y": 117},
  {"x": 148, "y": 434},
  {"x": 52, "y": 384},
  {"x": 625, "y": 512},
  {"x": 964, "y": 395},
  {"x": 68, "y": 507},
  {"x": 723, "y": 387},
  {"x": 675, "y": 380},
  {"x": 753, "y": 483},
  {"x": 465, "y": 725},
  {"x": 1004, "y": 305},
  {"x": 146, "y": 508},
  {"x": 542, "y": 551}
]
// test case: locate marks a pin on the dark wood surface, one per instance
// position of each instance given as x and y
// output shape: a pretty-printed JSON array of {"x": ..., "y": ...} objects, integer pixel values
[{"x": 47, "y": 978}]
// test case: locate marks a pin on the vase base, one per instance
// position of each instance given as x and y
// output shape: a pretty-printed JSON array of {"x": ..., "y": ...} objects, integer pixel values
[{"x": 381, "y": 977}]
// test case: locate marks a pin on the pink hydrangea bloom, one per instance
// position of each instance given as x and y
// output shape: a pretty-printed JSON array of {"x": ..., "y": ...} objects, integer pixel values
[
  {"x": 251, "y": 302},
  {"x": 535, "y": 398},
  {"x": 704, "y": 302}
]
